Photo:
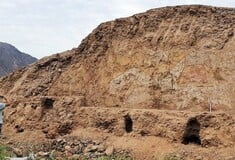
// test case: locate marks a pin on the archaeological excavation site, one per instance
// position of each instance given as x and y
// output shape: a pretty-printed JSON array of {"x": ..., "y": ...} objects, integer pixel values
[{"x": 158, "y": 85}]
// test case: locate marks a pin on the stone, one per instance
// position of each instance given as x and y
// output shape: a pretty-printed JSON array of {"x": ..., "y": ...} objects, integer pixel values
[
  {"x": 65, "y": 128},
  {"x": 18, "y": 152},
  {"x": 199, "y": 158},
  {"x": 94, "y": 148},
  {"x": 77, "y": 149},
  {"x": 67, "y": 148},
  {"x": 90, "y": 148},
  {"x": 101, "y": 148},
  {"x": 75, "y": 157},
  {"x": 42, "y": 154},
  {"x": 109, "y": 151}
]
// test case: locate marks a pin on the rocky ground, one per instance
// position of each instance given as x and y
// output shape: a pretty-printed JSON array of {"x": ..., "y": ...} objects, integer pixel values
[{"x": 142, "y": 134}]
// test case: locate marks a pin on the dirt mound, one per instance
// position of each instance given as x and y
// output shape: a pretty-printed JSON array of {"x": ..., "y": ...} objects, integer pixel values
[
  {"x": 169, "y": 58},
  {"x": 125, "y": 72}
]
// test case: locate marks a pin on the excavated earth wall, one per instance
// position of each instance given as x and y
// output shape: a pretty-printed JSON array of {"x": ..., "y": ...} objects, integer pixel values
[{"x": 154, "y": 75}]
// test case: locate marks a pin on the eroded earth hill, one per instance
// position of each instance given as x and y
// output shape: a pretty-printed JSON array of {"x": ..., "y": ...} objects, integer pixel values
[{"x": 145, "y": 84}]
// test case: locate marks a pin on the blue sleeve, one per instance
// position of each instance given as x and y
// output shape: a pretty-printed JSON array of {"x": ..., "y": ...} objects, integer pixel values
[{"x": 2, "y": 106}]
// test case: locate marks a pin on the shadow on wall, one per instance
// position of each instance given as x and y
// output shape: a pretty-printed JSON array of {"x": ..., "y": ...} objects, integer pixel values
[{"x": 192, "y": 132}]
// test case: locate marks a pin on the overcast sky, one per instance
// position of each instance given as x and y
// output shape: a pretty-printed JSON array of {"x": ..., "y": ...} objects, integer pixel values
[{"x": 45, "y": 27}]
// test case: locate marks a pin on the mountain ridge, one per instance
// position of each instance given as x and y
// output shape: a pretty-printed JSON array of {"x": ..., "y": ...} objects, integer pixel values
[{"x": 12, "y": 59}]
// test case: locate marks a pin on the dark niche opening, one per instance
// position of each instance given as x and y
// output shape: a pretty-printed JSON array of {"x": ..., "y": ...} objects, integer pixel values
[
  {"x": 19, "y": 129},
  {"x": 191, "y": 132},
  {"x": 128, "y": 123},
  {"x": 47, "y": 103}
]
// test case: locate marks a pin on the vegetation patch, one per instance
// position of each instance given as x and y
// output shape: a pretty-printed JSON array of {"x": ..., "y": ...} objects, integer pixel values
[{"x": 3, "y": 152}]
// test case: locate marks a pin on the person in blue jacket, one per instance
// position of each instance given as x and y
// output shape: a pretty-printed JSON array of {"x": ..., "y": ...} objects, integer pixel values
[{"x": 4, "y": 102}]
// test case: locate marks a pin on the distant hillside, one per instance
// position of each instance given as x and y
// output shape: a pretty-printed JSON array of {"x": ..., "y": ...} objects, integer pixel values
[{"x": 11, "y": 59}]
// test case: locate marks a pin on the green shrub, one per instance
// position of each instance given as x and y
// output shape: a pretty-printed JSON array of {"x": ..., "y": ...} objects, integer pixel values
[
  {"x": 3, "y": 152},
  {"x": 112, "y": 157},
  {"x": 171, "y": 157},
  {"x": 115, "y": 157}
]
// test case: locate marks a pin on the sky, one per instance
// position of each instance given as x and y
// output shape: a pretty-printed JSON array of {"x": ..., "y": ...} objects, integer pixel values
[{"x": 44, "y": 27}]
